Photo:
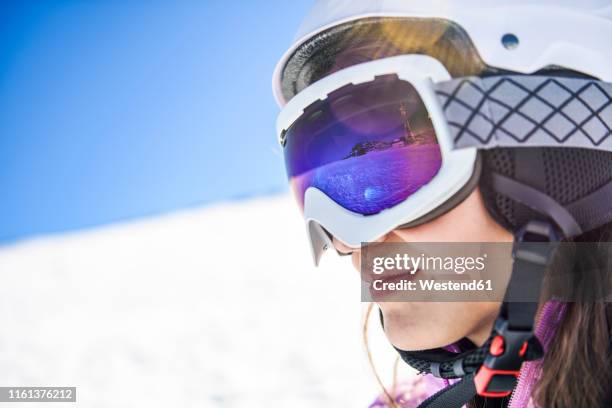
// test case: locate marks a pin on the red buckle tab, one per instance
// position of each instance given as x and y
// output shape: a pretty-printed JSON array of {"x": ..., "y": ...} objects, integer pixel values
[
  {"x": 486, "y": 375},
  {"x": 497, "y": 346}
]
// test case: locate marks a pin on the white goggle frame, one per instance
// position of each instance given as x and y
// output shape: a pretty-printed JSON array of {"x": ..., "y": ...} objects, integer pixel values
[{"x": 323, "y": 214}]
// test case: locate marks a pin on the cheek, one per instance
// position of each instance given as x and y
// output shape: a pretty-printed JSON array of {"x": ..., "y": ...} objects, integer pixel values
[
  {"x": 467, "y": 222},
  {"x": 426, "y": 325}
]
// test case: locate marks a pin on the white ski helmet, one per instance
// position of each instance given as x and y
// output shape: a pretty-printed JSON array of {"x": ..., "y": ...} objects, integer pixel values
[{"x": 522, "y": 36}]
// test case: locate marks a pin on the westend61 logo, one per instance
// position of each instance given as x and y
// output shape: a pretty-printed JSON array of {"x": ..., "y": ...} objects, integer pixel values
[{"x": 411, "y": 264}]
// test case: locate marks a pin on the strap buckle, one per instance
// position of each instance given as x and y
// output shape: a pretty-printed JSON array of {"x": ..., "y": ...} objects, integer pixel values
[
  {"x": 499, "y": 372},
  {"x": 535, "y": 242}
]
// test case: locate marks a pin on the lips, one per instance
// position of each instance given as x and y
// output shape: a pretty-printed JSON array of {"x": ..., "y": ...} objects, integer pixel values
[{"x": 388, "y": 276}]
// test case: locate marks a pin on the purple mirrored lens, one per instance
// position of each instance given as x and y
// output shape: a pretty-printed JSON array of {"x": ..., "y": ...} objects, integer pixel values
[{"x": 367, "y": 146}]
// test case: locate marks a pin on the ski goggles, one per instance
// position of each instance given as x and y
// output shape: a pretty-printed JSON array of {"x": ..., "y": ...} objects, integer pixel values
[{"x": 393, "y": 142}]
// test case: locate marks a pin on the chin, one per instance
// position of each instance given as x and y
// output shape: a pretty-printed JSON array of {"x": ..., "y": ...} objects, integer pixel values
[{"x": 414, "y": 331}]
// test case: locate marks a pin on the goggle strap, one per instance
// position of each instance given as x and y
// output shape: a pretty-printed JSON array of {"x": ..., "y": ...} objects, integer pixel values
[{"x": 527, "y": 110}]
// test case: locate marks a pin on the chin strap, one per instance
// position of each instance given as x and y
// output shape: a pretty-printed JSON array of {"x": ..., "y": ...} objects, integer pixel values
[{"x": 492, "y": 370}]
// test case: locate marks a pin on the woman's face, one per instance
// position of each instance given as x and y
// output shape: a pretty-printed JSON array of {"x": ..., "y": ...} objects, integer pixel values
[{"x": 425, "y": 325}]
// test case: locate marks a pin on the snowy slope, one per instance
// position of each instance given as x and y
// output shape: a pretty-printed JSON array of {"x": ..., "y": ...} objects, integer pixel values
[{"x": 213, "y": 307}]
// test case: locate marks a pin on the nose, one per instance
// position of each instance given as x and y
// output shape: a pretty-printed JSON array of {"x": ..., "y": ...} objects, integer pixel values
[
  {"x": 354, "y": 252},
  {"x": 345, "y": 249}
]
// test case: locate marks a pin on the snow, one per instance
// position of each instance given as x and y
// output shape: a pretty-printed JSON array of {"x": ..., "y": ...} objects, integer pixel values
[{"x": 210, "y": 307}]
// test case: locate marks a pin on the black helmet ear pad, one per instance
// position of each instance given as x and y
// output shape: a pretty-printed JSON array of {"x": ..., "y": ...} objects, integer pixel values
[{"x": 564, "y": 174}]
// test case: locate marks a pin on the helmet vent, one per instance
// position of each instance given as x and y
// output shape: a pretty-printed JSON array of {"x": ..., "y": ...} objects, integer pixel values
[{"x": 510, "y": 41}]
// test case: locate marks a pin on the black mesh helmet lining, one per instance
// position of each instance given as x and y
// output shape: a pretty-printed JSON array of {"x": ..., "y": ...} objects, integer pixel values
[
  {"x": 568, "y": 174},
  {"x": 572, "y": 173}
]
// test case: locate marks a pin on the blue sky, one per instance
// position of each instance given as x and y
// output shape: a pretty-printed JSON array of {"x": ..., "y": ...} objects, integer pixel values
[{"x": 111, "y": 110}]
